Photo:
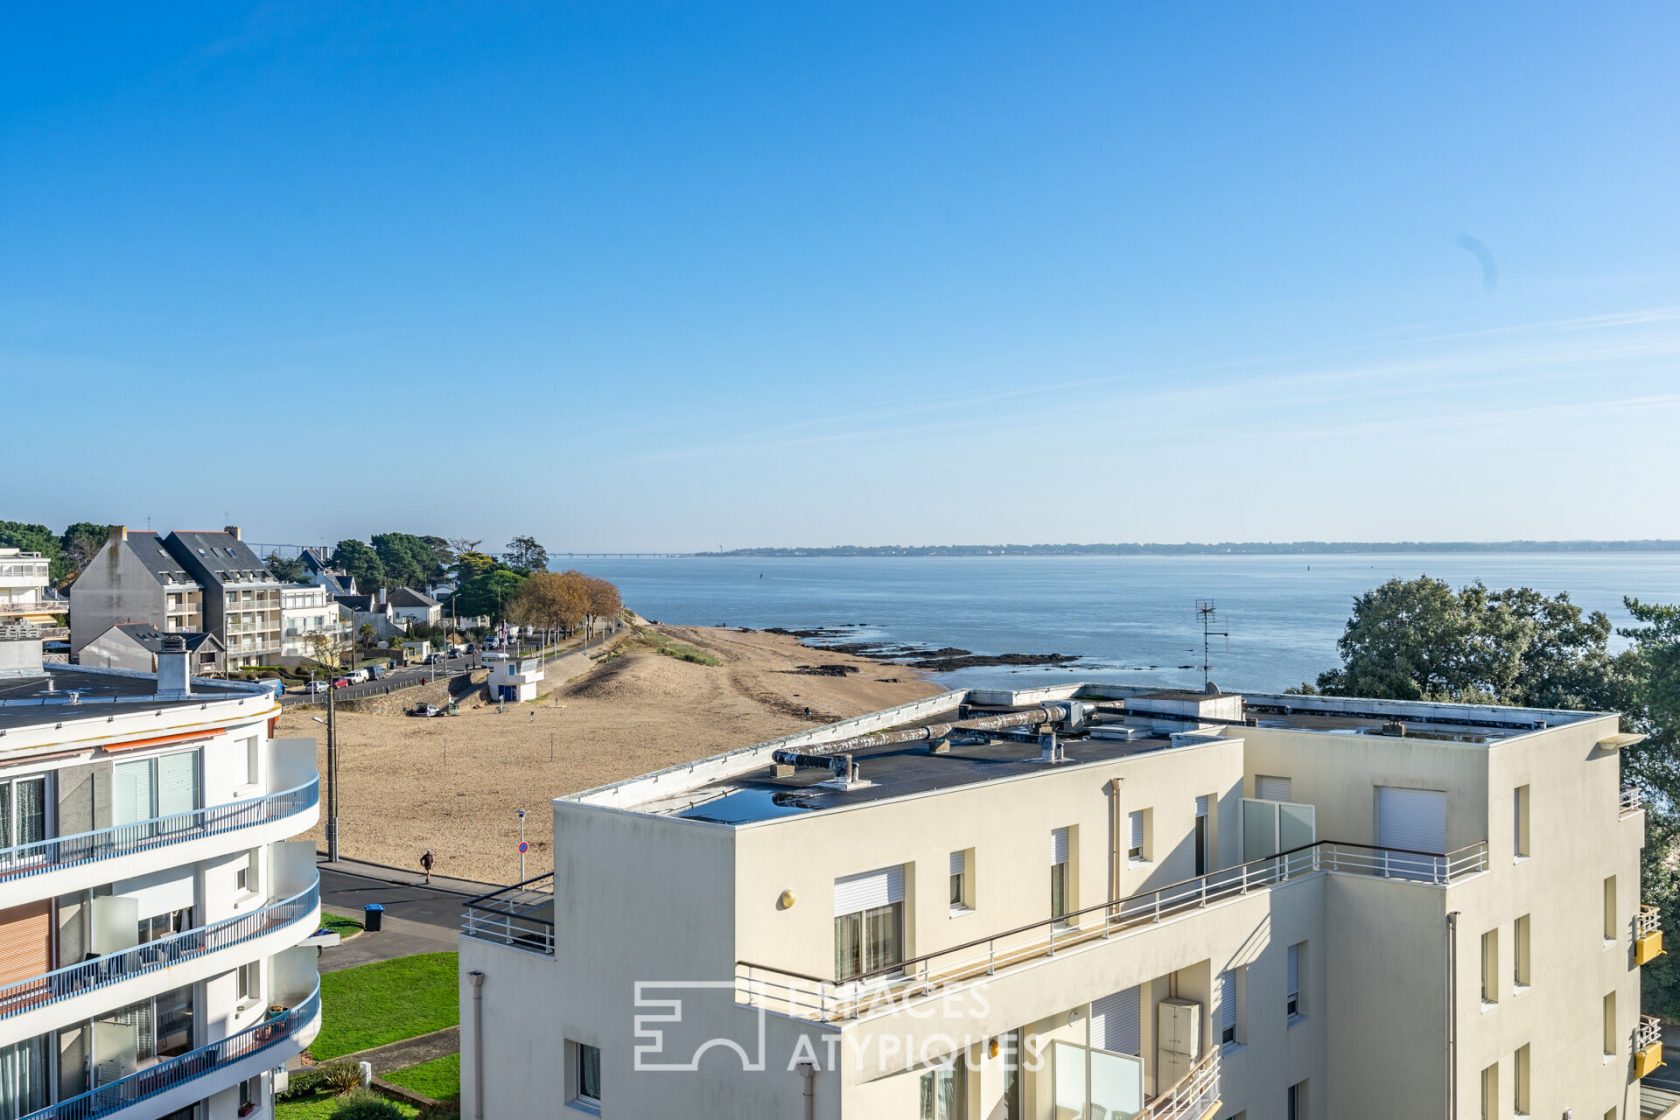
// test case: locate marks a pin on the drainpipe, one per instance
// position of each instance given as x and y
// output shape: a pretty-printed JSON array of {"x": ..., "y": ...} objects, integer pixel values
[
  {"x": 477, "y": 979},
  {"x": 1452, "y": 1016},
  {"x": 1114, "y": 785},
  {"x": 807, "y": 1074}
]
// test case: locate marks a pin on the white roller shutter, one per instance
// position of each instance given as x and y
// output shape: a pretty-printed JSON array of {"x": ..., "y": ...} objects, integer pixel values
[
  {"x": 1413, "y": 819},
  {"x": 1058, "y": 846},
  {"x": 177, "y": 783},
  {"x": 1202, "y": 805},
  {"x": 1137, "y": 831},
  {"x": 131, "y": 792},
  {"x": 1116, "y": 1023},
  {"x": 1270, "y": 788},
  {"x": 1227, "y": 1000},
  {"x": 1295, "y": 970},
  {"x": 959, "y": 865},
  {"x": 868, "y": 890}
]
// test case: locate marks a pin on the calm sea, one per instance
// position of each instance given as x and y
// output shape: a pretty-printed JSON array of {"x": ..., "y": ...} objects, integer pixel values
[{"x": 1130, "y": 619}]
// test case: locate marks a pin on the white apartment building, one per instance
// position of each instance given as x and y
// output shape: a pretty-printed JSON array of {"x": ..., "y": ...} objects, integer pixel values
[
  {"x": 305, "y": 611},
  {"x": 23, "y": 588},
  {"x": 154, "y": 906},
  {"x": 1086, "y": 902}
]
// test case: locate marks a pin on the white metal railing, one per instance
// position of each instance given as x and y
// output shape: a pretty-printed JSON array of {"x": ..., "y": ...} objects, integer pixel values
[
  {"x": 60, "y": 852},
  {"x": 1631, "y": 802},
  {"x": 1648, "y": 1033},
  {"x": 828, "y": 999},
  {"x": 1193, "y": 1097},
  {"x": 153, "y": 956},
  {"x": 1648, "y": 920},
  {"x": 171, "y": 1073},
  {"x": 514, "y": 916}
]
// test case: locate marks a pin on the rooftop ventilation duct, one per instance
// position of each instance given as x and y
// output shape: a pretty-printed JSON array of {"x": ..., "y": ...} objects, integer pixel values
[
  {"x": 174, "y": 681},
  {"x": 1069, "y": 714}
]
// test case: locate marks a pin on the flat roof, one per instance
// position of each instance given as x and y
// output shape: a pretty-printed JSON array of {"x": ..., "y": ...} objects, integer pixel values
[
  {"x": 26, "y": 702},
  {"x": 746, "y": 785}
]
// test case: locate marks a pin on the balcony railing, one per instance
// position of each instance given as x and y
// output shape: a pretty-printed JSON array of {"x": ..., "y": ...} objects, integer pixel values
[
  {"x": 830, "y": 999},
  {"x": 1648, "y": 1033},
  {"x": 142, "y": 836},
  {"x": 520, "y": 916},
  {"x": 153, "y": 956},
  {"x": 172, "y": 1073},
  {"x": 1195, "y": 1095},
  {"x": 1648, "y": 920},
  {"x": 1632, "y": 801}
]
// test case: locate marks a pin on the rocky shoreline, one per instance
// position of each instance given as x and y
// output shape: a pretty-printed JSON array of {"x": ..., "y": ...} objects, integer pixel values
[{"x": 943, "y": 660}]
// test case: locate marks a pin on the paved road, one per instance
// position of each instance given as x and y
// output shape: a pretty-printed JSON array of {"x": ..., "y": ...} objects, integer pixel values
[
  {"x": 1668, "y": 1075},
  {"x": 418, "y": 918},
  {"x": 390, "y": 682}
]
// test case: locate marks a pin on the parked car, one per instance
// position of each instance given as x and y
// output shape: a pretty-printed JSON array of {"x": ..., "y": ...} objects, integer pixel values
[
  {"x": 376, "y": 671},
  {"x": 426, "y": 711},
  {"x": 437, "y": 659},
  {"x": 342, "y": 682},
  {"x": 359, "y": 676},
  {"x": 314, "y": 687}
]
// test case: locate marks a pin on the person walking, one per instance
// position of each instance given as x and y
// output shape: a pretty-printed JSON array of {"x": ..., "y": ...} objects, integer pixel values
[{"x": 426, "y": 860}]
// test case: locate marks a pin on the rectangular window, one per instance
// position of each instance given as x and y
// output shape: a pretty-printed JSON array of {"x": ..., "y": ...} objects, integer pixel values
[
  {"x": 1610, "y": 923},
  {"x": 1490, "y": 1092},
  {"x": 1490, "y": 966},
  {"x": 1296, "y": 1006},
  {"x": 1059, "y": 900},
  {"x": 250, "y": 1093},
  {"x": 943, "y": 1097},
  {"x": 1519, "y": 823},
  {"x": 1519, "y": 1078},
  {"x": 1297, "y": 1109},
  {"x": 1520, "y": 952},
  {"x": 1268, "y": 787},
  {"x": 250, "y": 745},
  {"x": 245, "y": 875},
  {"x": 1136, "y": 843},
  {"x": 1228, "y": 1007},
  {"x": 1610, "y": 1025},
  {"x": 868, "y": 923},
  {"x": 587, "y": 1075},
  {"x": 1202, "y": 838},
  {"x": 23, "y": 811},
  {"x": 959, "y": 881},
  {"x": 250, "y": 983}
]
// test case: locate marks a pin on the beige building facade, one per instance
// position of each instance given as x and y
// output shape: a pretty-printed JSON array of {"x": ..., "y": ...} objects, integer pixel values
[{"x": 1086, "y": 901}]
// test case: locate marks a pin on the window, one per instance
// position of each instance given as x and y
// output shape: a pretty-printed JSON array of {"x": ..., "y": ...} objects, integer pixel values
[
  {"x": 23, "y": 811},
  {"x": 1136, "y": 845},
  {"x": 1296, "y": 1007},
  {"x": 245, "y": 874},
  {"x": 1519, "y": 1079},
  {"x": 1059, "y": 902},
  {"x": 868, "y": 923},
  {"x": 1298, "y": 1101},
  {"x": 960, "y": 898},
  {"x": 584, "y": 1076},
  {"x": 165, "y": 925},
  {"x": 250, "y": 1093},
  {"x": 1268, "y": 787},
  {"x": 250, "y": 745},
  {"x": 1490, "y": 966},
  {"x": 24, "y": 1078},
  {"x": 1610, "y": 909},
  {"x": 943, "y": 1096},
  {"x": 250, "y": 983},
  {"x": 1203, "y": 838},
  {"x": 1519, "y": 823},
  {"x": 148, "y": 788},
  {"x": 1490, "y": 1092},
  {"x": 1610, "y": 1025},
  {"x": 1520, "y": 952},
  {"x": 1228, "y": 1007}
]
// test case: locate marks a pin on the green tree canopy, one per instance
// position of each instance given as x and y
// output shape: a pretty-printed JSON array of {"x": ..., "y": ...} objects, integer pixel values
[
  {"x": 362, "y": 563},
  {"x": 286, "y": 570},
  {"x": 1419, "y": 639},
  {"x": 526, "y": 555},
  {"x": 408, "y": 560},
  {"x": 82, "y": 541}
]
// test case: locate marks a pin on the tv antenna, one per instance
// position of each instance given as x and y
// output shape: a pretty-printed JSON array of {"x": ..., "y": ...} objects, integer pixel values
[{"x": 1208, "y": 613}]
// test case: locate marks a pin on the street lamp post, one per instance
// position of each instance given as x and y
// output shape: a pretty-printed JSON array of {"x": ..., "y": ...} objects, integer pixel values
[
  {"x": 331, "y": 724},
  {"x": 521, "y": 813}
]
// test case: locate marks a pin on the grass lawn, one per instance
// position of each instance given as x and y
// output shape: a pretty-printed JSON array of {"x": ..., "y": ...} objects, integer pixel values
[
  {"x": 439, "y": 1078},
  {"x": 319, "y": 1106},
  {"x": 341, "y": 924},
  {"x": 386, "y": 1001}
]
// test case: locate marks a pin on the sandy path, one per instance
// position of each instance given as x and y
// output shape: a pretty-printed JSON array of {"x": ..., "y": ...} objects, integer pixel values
[{"x": 453, "y": 784}]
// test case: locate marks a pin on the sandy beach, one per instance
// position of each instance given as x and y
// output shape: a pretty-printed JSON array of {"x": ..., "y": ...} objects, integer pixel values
[{"x": 453, "y": 784}]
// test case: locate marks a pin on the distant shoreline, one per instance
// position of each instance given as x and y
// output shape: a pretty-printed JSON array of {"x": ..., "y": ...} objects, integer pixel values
[{"x": 1232, "y": 548}]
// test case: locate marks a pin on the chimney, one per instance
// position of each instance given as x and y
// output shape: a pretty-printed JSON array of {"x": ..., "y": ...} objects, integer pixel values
[
  {"x": 232, "y": 531},
  {"x": 174, "y": 680},
  {"x": 382, "y": 596},
  {"x": 119, "y": 532}
]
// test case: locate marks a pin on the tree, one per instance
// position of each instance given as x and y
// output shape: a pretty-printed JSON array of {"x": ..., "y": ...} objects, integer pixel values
[
  {"x": 1419, "y": 639},
  {"x": 603, "y": 598},
  {"x": 37, "y": 538},
  {"x": 407, "y": 560},
  {"x": 81, "y": 542},
  {"x": 550, "y": 601},
  {"x": 286, "y": 570},
  {"x": 322, "y": 648},
  {"x": 484, "y": 585},
  {"x": 524, "y": 554},
  {"x": 361, "y": 563}
]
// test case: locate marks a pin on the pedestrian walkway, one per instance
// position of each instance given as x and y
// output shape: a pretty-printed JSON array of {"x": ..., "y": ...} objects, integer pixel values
[
  {"x": 417, "y": 918},
  {"x": 408, "y": 1052}
]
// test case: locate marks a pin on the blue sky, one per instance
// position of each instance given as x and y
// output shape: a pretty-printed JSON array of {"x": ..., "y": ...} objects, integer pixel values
[{"x": 670, "y": 277}]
